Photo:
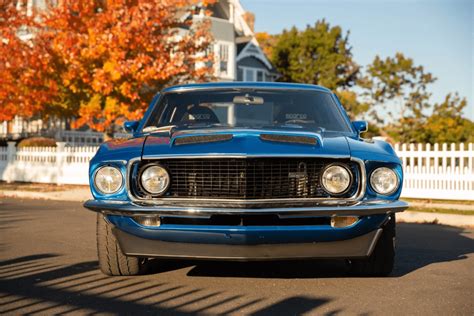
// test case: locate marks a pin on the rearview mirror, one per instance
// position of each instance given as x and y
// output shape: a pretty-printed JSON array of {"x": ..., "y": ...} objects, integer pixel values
[
  {"x": 361, "y": 126},
  {"x": 131, "y": 126},
  {"x": 247, "y": 99}
]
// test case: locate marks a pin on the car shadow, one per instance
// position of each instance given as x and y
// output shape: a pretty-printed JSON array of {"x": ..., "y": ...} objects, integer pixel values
[
  {"x": 418, "y": 245},
  {"x": 33, "y": 285},
  {"x": 36, "y": 284}
]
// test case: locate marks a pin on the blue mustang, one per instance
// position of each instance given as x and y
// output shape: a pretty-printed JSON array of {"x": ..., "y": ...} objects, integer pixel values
[{"x": 246, "y": 171}]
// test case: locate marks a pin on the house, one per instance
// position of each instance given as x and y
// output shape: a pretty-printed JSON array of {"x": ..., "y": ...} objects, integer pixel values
[{"x": 237, "y": 54}]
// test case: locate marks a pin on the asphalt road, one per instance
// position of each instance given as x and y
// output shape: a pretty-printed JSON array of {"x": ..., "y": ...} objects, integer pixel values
[{"x": 48, "y": 265}]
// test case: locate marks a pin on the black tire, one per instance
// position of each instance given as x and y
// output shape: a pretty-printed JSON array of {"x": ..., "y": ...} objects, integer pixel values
[
  {"x": 112, "y": 261},
  {"x": 381, "y": 261}
]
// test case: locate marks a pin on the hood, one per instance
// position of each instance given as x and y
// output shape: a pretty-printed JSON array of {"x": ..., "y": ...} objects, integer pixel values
[
  {"x": 244, "y": 142},
  {"x": 374, "y": 150},
  {"x": 121, "y": 149}
]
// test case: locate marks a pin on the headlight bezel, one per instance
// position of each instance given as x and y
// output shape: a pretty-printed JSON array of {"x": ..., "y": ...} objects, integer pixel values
[
  {"x": 97, "y": 187},
  {"x": 349, "y": 172},
  {"x": 388, "y": 193},
  {"x": 140, "y": 178}
]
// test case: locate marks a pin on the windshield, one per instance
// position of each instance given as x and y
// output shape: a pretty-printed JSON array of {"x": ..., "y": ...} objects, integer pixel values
[{"x": 310, "y": 110}]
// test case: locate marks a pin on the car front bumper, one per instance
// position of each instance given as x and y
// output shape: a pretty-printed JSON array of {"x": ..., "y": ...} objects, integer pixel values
[
  {"x": 247, "y": 242},
  {"x": 358, "y": 247}
]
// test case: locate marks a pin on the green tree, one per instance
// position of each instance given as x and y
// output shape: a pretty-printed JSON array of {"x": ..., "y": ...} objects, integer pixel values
[
  {"x": 319, "y": 54},
  {"x": 352, "y": 103},
  {"x": 446, "y": 124},
  {"x": 396, "y": 90}
]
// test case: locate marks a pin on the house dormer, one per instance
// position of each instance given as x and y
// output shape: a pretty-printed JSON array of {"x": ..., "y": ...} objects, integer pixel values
[{"x": 238, "y": 57}]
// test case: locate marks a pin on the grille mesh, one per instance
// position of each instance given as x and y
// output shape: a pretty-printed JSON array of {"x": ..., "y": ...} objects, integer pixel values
[{"x": 250, "y": 178}]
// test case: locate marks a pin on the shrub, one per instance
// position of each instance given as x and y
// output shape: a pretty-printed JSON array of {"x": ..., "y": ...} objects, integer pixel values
[{"x": 37, "y": 142}]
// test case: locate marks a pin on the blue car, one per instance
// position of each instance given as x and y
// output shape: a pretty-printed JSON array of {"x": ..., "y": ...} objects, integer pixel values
[{"x": 246, "y": 171}]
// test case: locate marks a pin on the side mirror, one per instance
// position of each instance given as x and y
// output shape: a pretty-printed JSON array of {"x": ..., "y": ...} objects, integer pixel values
[
  {"x": 131, "y": 126},
  {"x": 361, "y": 126}
]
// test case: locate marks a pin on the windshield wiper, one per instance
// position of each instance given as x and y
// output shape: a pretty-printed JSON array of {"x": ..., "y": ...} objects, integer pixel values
[{"x": 305, "y": 127}]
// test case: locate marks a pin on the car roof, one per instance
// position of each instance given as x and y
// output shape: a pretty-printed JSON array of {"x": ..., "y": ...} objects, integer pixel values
[{"x": 243, "y": 85}]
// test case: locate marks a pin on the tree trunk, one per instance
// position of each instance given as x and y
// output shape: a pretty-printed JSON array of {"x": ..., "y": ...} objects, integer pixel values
[{"x": 109, "y": 132}]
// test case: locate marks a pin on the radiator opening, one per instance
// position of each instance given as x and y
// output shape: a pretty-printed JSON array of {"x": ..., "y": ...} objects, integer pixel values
[{"x": 247, "y": 220}]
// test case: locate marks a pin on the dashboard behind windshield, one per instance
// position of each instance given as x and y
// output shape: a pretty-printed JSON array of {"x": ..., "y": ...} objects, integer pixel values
[{"x": 311, "y": 110}]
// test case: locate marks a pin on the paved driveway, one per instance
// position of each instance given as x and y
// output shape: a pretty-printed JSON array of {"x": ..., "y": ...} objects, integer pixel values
[{"x": 48, "y": 265}]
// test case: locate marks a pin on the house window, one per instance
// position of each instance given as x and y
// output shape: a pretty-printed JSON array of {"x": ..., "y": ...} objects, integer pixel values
[
  {"x": 223, "y": 57},
  {"x": 249, "y": 74},
  {"x": 240, "y": 74},
  {"x": 208, "y": 53}
]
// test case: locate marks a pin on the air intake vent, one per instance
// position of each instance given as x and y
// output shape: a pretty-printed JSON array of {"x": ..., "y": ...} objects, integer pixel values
[
  {"x": 188, "y": 140},
  {"x": 296, "y": 139}
]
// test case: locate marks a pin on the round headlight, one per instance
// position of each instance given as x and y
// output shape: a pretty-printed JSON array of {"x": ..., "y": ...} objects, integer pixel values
[
  {"x": 384, "y": 181},
  {"x": 108, "y": 180},
  {"x": 155, "y": 179},
  {"x": 336, "y": 179}
]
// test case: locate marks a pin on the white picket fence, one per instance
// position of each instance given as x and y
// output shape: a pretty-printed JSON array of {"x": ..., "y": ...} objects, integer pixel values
[
  {"x": 60, "y": 164},
  {"x": 437, "y": 173},
  {"x": 432, "y": 172},
  {"x": 85, "y": 138}
]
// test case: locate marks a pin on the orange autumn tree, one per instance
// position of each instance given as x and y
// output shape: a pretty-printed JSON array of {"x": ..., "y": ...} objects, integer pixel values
[
  {"x": 108, "y": 57},
  {"x": 22, "y": 91}
]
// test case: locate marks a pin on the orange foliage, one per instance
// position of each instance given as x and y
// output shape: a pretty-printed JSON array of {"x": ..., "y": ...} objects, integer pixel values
[
  {"x": 267, "y": 42},
  {"x": 22, "y": 91},
  {"x": 101, "y": 61}
]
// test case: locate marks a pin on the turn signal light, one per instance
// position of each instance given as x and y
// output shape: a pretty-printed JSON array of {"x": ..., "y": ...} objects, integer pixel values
[
  {"x": 343, "y": 221},
  {"x": 153, "y": 221}
]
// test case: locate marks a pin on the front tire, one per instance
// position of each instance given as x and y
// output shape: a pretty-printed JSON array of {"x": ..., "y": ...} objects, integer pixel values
[
  {"x": 112, "y": 261},
  {"x": 380, "y": 263}
]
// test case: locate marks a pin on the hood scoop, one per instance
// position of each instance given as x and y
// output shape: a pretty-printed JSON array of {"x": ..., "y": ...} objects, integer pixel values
[
  {"x": 294, "y": 139},
  {"x": 200, "y": 139}
]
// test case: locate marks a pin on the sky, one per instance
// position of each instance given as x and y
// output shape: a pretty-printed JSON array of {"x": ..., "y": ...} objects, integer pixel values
[{"x": 437, "y": 34}]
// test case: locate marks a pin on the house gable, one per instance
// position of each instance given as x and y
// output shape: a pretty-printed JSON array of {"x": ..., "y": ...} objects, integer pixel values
[
  {"x": 253, "y": 65},
  {"x": 252, "y": 50}
]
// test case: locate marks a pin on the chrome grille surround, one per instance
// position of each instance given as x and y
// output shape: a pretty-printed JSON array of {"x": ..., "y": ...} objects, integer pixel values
[{"x": 250, "y": 203}]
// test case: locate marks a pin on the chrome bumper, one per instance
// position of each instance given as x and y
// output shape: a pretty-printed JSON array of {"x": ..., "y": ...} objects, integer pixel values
[
  {"x": 135, "y": 209},
  {"x": 358, "y": 247}
]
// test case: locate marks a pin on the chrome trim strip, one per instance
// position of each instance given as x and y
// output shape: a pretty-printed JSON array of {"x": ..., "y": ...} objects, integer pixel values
[
  {"x": 127, "y": 178},
  {"x": 120, "y": 161},
  {"x": 255, "y": 131},
  {"x": 238, "y": 156},
  {"x": 363, "y": 208},
  {"x": 330, "y": 201},
  {"x": 283, "y": 87}
]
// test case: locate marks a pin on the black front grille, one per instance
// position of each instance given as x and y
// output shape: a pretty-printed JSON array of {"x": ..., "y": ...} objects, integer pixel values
[
  {"x": 246, "y": 220},
  {"x": 247, "y": 178}
]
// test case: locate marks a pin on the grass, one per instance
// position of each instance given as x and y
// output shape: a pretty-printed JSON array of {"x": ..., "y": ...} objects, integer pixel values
[
  {"x": 37, "y": 187},
  {"x": 440, "y": 210},
  {"x": 434, "y": 201}
]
